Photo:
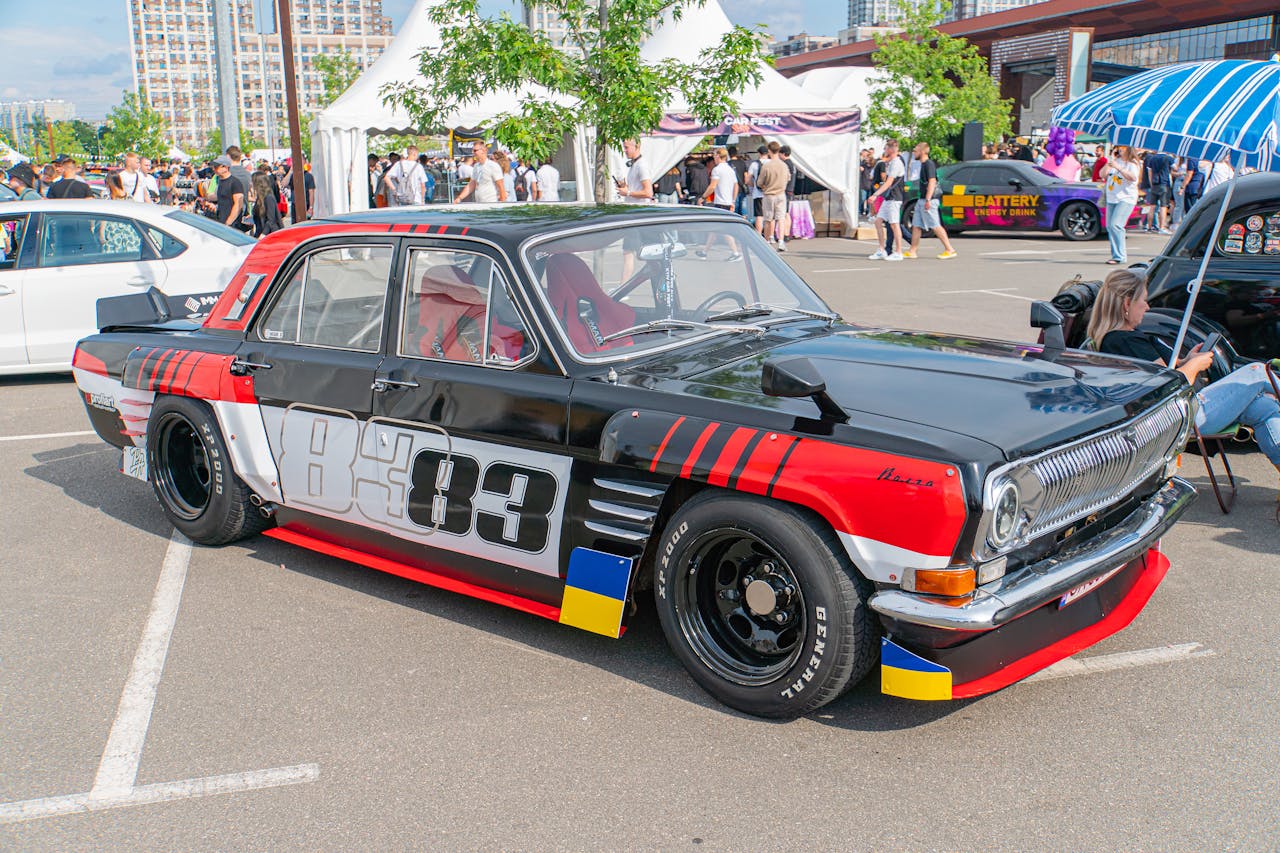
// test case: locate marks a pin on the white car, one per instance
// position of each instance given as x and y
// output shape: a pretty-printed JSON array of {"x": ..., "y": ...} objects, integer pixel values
[{"x": 58, "y": 258}]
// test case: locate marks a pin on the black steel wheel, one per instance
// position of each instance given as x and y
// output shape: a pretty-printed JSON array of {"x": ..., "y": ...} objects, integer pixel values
[
  {"x": 760, "y": 603},
  {"x": 1080, "y": 221},
  {"x": 191, "y": 474}
]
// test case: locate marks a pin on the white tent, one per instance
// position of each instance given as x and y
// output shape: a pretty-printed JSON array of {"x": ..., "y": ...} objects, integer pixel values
[
  {"x": 821, "y": 130},
  {"x": 11, "y": 155},
  {"x": 785, "y": 111},
  {"x": 848, "y": 84},
  {"x": 177, "y": 154},
  {"x": 339, "y": 146}
]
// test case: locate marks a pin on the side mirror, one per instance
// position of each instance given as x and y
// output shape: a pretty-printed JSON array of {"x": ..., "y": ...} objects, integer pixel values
[
  {"x": 1015, "y": 183},
  {"x": 797, "y": 377},
  {"x": 1045, "y": 316}
]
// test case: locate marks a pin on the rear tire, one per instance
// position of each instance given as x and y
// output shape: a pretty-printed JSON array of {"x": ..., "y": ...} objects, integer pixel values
[
  {"x": 1080, "y": 221},
  {"x": 190, "y": 472},
  {"x": 761, "y": 605}
]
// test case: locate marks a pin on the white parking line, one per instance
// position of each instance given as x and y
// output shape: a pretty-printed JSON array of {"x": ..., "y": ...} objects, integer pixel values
[
  {"x": 996, "y": 291},
  {"x": 35, "y": 436},
  {"x": 119, "y": 767},
  {"x": 851, "y": 269},
  {"x": 114, "y": 786},
  {"x": 1120, "y": 660},
  {"x": 229, "y": 783}
]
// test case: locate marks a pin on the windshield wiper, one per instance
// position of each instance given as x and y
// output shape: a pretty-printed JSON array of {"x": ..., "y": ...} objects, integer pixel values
[
  {"x": 669, "y": 323},
  {"x": 760, "y": 309}
]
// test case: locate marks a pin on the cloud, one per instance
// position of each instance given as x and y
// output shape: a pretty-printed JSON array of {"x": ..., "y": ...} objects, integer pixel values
[{"x": 85, "y": 66}]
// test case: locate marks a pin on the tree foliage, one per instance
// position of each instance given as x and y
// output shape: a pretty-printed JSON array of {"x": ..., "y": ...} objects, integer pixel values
[
  {"x": 337, "y": 72},
  {"x": 936, "y": 83},
  {"x": 213, "y": 146},
  {"x": 132, "y": 125},
  {"x": 599, "y": 81}
]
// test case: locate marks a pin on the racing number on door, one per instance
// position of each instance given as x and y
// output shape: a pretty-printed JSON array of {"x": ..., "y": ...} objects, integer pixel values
[{"x": 446, "y": 487}]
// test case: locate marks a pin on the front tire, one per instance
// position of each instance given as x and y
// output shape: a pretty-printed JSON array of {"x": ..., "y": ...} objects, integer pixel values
[
  {"x": 760, "y": 604},
  {"x": 1080, "y": 221},
  {"x": 190, "y": 472}
]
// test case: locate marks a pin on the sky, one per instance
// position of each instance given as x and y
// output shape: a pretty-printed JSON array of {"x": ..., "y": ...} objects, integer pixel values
[{"x": 82, "y": 55}]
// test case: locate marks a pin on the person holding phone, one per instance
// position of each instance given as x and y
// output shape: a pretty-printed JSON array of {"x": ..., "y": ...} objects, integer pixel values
[
  {"x": 637, "y": 188},
  {"x": 1243, "y": 396}
]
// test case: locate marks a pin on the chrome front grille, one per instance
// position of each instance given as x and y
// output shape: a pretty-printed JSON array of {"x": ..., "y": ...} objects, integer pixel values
[{"x": 1096, "y": 472}]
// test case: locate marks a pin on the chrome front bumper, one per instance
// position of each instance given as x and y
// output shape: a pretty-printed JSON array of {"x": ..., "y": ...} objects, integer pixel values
[{"x": 1033, "y": 586}]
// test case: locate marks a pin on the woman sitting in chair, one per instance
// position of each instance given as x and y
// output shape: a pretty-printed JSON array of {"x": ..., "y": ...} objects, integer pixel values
[{"x": 1245, "y": 396}]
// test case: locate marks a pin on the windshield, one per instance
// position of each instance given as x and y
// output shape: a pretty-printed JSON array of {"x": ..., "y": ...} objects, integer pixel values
[
  {"x": 678, "y": 280},
  {"x": 212, "y": 228}
]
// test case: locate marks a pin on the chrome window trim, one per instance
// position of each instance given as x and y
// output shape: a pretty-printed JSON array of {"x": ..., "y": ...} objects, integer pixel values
[
  {"x": 531, "y": 242},
  {"x": 264, "y": 311},
  {"x": 493, "y": 268}
]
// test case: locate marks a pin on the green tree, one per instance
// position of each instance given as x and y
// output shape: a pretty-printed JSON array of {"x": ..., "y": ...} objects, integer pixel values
[
  {"x": 936, "y": 83},
  {"x": 65, "y": 141},
  {"x": 598, "y": 82},
  {"x": 132, "y": 125},
  {"x": 337, "y": 71},
  {"x": 213, "y": 146}
]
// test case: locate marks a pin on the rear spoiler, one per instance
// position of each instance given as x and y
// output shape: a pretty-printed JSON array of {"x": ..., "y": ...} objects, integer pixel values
[{"x": 153, "y": 307}]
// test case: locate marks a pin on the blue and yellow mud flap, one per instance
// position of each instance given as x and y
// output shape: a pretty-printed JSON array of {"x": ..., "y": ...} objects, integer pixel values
[
  {"x": 595, "y": 591},
  {"x": 910, "y": 676}
]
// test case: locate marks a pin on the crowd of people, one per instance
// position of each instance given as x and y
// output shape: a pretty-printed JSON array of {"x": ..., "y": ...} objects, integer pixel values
[{"x": 254, "y": 201}]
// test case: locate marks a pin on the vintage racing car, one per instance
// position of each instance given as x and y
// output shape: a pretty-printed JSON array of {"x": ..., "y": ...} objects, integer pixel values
[{"x": 558, "y": 407}]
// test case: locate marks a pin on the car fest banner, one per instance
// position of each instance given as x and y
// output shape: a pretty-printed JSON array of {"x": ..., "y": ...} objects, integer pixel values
[{"x": 762, "y": 124}]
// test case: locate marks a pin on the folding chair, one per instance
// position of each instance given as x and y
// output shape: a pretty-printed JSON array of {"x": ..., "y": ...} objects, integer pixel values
[{"x": 1211, "y": 443}]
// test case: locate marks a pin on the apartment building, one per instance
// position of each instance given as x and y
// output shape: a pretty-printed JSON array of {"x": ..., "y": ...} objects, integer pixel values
[{"x": 172, "y": 42}]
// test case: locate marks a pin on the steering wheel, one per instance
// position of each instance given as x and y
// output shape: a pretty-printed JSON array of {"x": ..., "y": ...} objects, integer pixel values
[{"x": 704, "y": 307}]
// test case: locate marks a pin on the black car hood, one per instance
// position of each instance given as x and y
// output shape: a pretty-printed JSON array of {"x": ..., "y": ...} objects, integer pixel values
[{"x": 1000, "y": 393}]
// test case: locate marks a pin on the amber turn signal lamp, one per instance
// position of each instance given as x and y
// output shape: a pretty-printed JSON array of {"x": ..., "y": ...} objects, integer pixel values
[{"x": 951, "y": 582}]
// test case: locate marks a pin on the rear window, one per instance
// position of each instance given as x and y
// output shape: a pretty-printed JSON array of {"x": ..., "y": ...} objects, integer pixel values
[
  {"x": 213, "y": 229},
  {"x": 1255, "y": 233}
]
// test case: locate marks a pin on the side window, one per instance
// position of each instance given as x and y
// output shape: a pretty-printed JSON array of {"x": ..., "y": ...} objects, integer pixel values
[
  {"x": 12, "y": 231},
  {"x": 166, "y": 245},
  {"x": 961, "y": 175},
  {"x": 337, "y": 298},
  {"x": 458, "y": 307},
  {"x": 1255, "y": 233},
  {"x": 73, "y": 240}
]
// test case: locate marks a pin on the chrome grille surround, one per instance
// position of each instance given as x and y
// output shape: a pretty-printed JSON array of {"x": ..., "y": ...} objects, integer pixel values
[{"x": 1064, "y": 484}]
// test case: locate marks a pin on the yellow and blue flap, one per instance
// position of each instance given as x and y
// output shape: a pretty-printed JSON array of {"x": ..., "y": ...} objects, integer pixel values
[
  {"x": 906, "y": 674},
  {"x": 595, "y": 591}
]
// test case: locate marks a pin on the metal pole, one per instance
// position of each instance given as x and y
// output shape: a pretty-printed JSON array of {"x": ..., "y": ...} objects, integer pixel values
[
  {"x": 225, "y": 55},
  {"x": 1193, "y": 287},
  {"x": 48, "y": 126},
  {"x": 285, "y": 22}
]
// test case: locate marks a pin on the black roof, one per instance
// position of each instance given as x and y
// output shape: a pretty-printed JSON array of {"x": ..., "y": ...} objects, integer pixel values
[
  {"x": 513, "y": 223},
  {"x": 1249, "y": 190}
]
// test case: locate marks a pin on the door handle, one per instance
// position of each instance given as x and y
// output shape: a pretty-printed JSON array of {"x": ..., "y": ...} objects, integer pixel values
[
  {"x": 137, "y": 281},
  {"x": 242, "y": 368},
  {"x": 380, "y": 384},
  {"x": 5, "y": 290}
]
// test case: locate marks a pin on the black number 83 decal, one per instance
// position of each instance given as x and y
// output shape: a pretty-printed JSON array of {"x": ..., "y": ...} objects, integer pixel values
[{"x": 445, "y": 488}]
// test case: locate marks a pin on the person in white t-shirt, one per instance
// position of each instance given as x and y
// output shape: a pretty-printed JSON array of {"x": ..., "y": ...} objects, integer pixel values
[
  {"x": 548, "y": 182},
  {"x": 1218, "y": 173},
  {"x": 406, "y": 181},
  {"x": 638, "y": 187},
  {"x": 132, "y": 179},
  {"x": 722, "y": 192},
  {"x": 486, "y": 179}
]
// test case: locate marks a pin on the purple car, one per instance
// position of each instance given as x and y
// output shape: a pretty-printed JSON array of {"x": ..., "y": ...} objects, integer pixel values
[{"x": 1003, "y": 194}]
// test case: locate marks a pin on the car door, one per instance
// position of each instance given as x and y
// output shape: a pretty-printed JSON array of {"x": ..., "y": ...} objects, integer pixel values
[
  {"x": 993, "y": 194},
  {"x": 471, "y": 422},
  {"x": 13, "y": 339},
  {"x": 81, "y": 258},
  {"x": 313, "y": 351}
]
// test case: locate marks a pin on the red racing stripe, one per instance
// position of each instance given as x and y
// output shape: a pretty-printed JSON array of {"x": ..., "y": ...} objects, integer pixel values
[
  {"x": 653, "y": 466},
  {"x": 724, "y": 466},
  {"x": 697, "y": 448},
  {"x": 86, "y": 361}
]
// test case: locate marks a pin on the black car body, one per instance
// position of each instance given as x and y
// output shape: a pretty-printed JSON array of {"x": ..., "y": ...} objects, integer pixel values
[
  {"x": 555, "y": 407},
  {"x": 1241, "y": 289}
]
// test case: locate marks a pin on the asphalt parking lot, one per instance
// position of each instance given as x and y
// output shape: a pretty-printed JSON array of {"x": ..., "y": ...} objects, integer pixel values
[{"x": 258, "y": 696}]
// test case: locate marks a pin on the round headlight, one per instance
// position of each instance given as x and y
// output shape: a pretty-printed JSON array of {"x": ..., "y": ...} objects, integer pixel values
[{"x": 1004, "y": 514}]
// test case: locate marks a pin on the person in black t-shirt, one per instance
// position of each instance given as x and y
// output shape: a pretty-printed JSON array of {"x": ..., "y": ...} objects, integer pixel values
[
  {"x": 926, "y": 214},
  {"x": 1243, "y": 396},
  {"x": 231, "y": 195},
  {"x": 69, "y": 185}
]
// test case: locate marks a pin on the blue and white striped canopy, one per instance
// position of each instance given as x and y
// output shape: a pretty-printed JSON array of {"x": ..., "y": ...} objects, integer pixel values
[{"x": 1206, "y": 110}]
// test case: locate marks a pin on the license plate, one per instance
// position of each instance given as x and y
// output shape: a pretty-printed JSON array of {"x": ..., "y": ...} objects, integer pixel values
[
  {"x": 1079, "y": 592},
  {"x": 134, "y": 463}
]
